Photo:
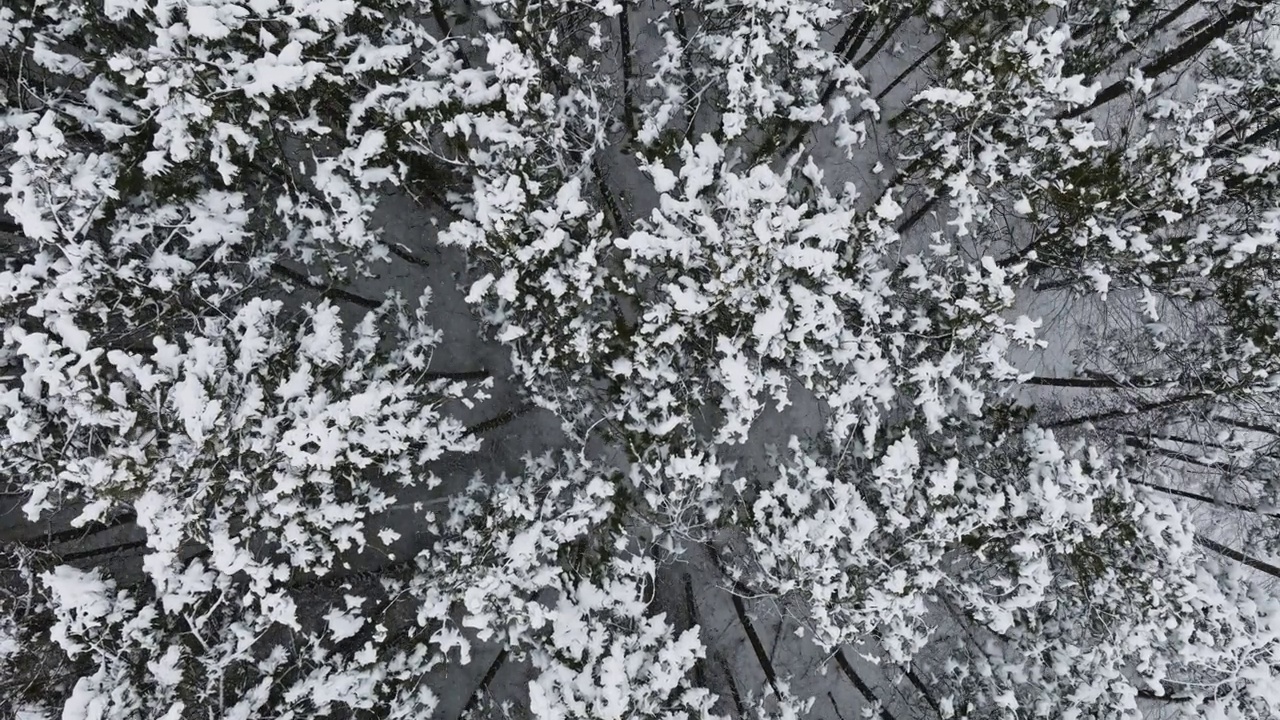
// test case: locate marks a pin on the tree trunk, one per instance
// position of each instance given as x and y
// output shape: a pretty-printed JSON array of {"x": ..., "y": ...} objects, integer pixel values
[{"x": 1173, "y": 58}]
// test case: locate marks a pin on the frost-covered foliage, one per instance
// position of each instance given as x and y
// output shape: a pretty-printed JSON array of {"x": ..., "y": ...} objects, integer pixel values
[
  {"x": 538, "y": 563},
  {"x": 545, "y": 564},
  {"x": 1054, "y": 556},
  {"x": 282, "y": 428},
  {"x": 698, "y": 228},
  {"x": 256, "y": 452}
]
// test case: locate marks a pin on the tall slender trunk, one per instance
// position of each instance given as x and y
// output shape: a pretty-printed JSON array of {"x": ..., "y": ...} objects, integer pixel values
[
  {"x": 915, "y": 65},
  {"x": 1175, "y": 57},
  {"x": 1243, "y": 559},
  {"x": 80, "y": 533},
  {"x": 884, "y": 38},
  {"x": 1135, "y": 411},
  {"x": 628, "y": 82},
  {"x": 862, "y": 686},
  {"x": 330, "y": 293},
  {"x": 756, "y": 646},
  {"x": 1186, "y": 494}
]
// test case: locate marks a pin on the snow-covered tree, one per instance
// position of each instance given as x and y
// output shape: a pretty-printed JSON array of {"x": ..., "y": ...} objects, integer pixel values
[{"x": 700, "y": 229}]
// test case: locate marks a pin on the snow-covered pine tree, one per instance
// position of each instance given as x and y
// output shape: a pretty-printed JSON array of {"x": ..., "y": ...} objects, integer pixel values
[
  {"x": 694, "y": 225},
  {"x": 751, "y": 271},
  {"x": 185, "y": 375}
]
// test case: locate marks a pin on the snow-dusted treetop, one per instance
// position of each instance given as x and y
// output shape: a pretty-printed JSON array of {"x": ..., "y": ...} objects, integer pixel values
[{"x": 784, "y": 261}]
